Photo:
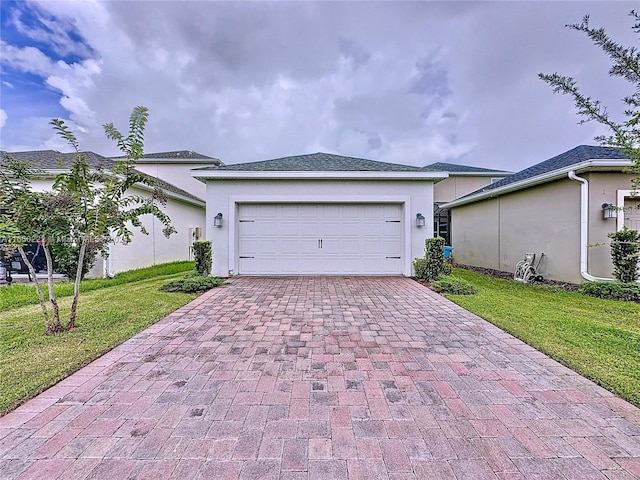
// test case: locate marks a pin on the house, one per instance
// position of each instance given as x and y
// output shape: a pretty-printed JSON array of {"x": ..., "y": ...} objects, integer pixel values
[
  {"x": 186, "y": 210},
  {"x": 317, "y": 214},
  {"x": 175, "y": 167},
  {"x": 462, "y": 180},
  {"x": 559, "y": 207}
]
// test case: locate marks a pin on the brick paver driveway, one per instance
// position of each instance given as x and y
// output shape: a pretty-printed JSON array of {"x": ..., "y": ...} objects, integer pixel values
[{"x": 322, "y": 378}]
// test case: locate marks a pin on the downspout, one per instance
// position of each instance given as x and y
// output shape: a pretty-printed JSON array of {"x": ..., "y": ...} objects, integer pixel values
[
  {"x": 584, "y": 228},
  {"x": 107, "y": 265}
]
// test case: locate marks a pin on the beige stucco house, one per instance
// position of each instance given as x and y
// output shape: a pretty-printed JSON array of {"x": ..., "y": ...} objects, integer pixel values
[
  {"x": 186, "y": 210},
  {"x": 556, "y": 207},
  {"x": 462, "y": 180}
]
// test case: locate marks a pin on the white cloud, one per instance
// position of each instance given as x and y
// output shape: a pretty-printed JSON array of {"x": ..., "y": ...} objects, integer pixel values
[
  {"x": 413, "y": 82},
  {"x": 27, "y": 59},
  {"x": 3, "y": 118}
]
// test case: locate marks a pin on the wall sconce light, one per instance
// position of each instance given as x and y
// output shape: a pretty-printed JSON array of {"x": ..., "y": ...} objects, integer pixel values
[
  {"x": 217, "y": 220},
  {"x": 420, "y": 220},
  {"x": 609, "y": 210}
]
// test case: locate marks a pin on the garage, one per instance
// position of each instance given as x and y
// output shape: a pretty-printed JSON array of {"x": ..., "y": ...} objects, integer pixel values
[
  {"x": 317, "y": 214},
  {"x": 320, "y": 239}
]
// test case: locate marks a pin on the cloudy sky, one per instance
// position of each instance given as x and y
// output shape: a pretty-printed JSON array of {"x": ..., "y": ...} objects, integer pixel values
[{"x": 403, "y": 82}]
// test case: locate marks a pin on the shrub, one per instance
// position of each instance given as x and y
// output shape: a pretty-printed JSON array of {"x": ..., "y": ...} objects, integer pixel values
[
  {"x": 433, "y": 265},
  {"x": 612, "y": 290},
  {"x": 66, "y": 259},
  {"x": 203, "y": 256},
  {"x": 625, "y": 254},
  {"x": 454, "y": 286},
  {"x": 192, "y": 284}
]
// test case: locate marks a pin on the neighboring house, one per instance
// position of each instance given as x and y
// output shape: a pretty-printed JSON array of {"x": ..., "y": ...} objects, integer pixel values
[
  {"x": 462, "y": 180},
  {"x": 175, "y": 168},
  {"x": 187, "y": 213},
  {"x": 317, "y": 214},
  {"x": 555, "y": 208}
]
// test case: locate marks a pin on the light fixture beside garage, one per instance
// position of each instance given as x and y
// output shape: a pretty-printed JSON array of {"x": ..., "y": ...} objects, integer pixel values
[
  {"x": 420, "y": 220},
  {"x": 609, "y": 210},
  {"x": 217, "y": 220}
]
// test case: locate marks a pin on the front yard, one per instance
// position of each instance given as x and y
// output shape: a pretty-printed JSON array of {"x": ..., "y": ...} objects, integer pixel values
[
  {"x": 597, "y": 338},
  {"x": 107, "y": 316}
]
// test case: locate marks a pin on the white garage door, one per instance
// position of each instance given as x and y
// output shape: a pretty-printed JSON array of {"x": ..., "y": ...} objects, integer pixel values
[{"x": 320, "y": 239}]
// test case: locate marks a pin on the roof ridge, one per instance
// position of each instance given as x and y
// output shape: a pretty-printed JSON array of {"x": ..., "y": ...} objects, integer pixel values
[{"x": 319, "y": 161}]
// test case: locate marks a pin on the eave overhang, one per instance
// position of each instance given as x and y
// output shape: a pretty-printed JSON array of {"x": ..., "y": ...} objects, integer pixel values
[
  {"x": 205, "y": 175},
  {"x": 594, "y": 165}
]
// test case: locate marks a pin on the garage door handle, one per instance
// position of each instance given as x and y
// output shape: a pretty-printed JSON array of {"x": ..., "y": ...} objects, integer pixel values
[
  {"x": 393, "y": 257},
  {"x": 392, "y": 221},
  {"x": 246, "y": 257}
]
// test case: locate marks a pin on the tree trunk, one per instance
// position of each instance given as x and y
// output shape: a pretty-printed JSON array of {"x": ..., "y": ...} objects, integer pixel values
[
  {"x": 43, "y": 302},
  {"x": 56, "y": 326},
  {"x": 76, "y": 286}
]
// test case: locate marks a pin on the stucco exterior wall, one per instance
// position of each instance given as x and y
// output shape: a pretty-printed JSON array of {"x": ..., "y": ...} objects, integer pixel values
[
  {"x": 457, "y": 186},
  {"x": 176, "y": 174},
  {"x": 152, "y": 249},
  {"x": 496, "y": 233},
  {"x": 603, "y": 188},
  {"x": 155, "y": 248},
  {"x": 224, "y": 195},
  {"x": 475, "y": 234}
]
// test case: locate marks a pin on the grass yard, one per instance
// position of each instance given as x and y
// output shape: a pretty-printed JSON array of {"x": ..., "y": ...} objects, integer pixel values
[
  {"x": 597, "y": 338},
  {"x": 24, "y": 294},
  {"x": 31, "y": 361}
]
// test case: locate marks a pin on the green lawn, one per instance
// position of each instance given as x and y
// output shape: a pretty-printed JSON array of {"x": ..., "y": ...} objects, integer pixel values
[
  {"x": 31, "y": 361},
  {"x": 24, "y": 294},
  {"x": 599, "y": 339}
]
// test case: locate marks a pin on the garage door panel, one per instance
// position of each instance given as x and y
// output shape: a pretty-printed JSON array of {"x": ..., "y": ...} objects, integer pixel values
[{"x": 330, "y": 239}]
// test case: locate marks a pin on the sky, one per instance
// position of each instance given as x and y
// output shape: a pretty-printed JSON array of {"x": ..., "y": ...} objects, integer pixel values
[{"x": 403, "y": 82}]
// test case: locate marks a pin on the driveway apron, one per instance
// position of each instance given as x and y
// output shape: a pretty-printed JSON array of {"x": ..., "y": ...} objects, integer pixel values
[{"x": 322, "y": 378}]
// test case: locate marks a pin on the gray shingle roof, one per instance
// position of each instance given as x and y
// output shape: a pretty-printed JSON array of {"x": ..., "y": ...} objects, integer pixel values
[
  {"x": 53, "y": 160},
  {"x": 455, "y": 168},
  {"x": 576, "y": 155},
  {"x": 179, "y": 154},
  {"x": 317, "y": 162}
]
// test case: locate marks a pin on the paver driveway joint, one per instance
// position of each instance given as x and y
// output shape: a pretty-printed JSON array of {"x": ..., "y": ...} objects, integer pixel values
[{"x": 322, "y": 377}]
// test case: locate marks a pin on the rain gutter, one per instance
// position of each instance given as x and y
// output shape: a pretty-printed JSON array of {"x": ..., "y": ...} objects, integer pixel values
[{"x": 584, "y": 228}]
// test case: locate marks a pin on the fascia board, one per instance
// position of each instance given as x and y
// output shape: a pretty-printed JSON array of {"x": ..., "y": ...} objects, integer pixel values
[
  {"x": 593, "y": 165},
  {"x": 320, "y": 175},
  {"x": 179, "y": 161},
  {"x": 170, "y": 194},
  {"x": 480, "y": 174}
]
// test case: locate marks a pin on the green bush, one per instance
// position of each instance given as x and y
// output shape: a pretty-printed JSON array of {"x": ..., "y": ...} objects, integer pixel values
[
  {"x": 454, "y": 286},
  {"x": 66, "y": 259},
  {"x": 625, "y": 254},
  {"x": 192, "y": 284},
  {"x": 203, "y": 256},
  {"x": 433, "y": 265},
  {"x": 612, "y": 290}
]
